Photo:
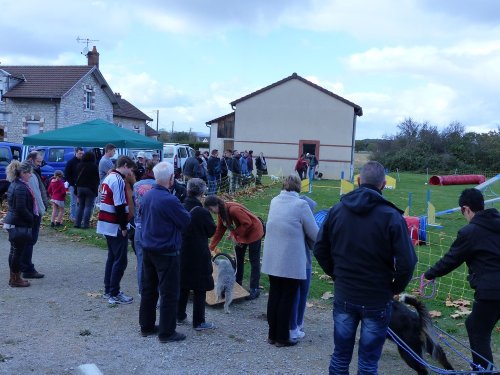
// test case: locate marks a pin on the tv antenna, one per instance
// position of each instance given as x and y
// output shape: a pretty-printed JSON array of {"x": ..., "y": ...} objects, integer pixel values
[{"x": 86, "y": 41}]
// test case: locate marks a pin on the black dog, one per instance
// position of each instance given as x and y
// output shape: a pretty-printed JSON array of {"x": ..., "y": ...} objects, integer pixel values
[{"x": 415, "y": 329}]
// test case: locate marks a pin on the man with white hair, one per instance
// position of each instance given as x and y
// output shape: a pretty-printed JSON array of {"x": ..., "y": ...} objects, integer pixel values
[{"x": 163, "y": 220}]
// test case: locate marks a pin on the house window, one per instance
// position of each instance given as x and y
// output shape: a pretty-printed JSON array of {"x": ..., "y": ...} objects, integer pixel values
[
  {"x": 88, "y": 98},
  {"x": 1, "y": 96},
  {"x": 32, "y": 127},
  {"x": 225, "y": 129},
  {"x": 137, "y": 129}
]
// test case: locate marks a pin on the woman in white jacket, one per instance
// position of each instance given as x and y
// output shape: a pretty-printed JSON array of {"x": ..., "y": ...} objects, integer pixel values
[{"x": 289, "y": 224}]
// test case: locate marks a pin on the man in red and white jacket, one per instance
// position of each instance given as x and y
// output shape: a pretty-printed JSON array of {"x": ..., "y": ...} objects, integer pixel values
[{"x": 112, "y": 223}]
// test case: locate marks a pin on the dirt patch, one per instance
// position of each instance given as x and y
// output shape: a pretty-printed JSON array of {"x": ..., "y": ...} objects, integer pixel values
[{"x": 61, "y": 321}]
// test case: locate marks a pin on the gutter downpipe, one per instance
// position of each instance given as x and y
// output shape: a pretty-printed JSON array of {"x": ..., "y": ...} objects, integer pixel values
[{"x": 353, "y": 145}]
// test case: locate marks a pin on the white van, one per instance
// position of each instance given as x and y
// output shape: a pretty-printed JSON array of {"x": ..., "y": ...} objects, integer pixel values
[{"x": 177, "y": 153}]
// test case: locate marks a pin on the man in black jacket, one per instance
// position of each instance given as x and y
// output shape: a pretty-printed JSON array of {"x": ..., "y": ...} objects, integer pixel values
[
  {"x": 71, "y": 177},
  {"x": 213, "y": 172},
  {"x": 365, "y": 247},
  {"x": 478, "y": 245}
]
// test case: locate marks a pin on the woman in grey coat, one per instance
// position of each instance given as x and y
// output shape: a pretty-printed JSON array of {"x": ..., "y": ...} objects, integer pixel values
[{"x": 289, "y": 224}]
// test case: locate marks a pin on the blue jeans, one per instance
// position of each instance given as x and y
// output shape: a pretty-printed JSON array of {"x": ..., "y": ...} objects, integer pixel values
[
  {"x": 26, "y": 263},
  {"x": 213, "y": 181},
  {"x": 86, "y": 199},
  {"x": 138, "y": 254},
  {"x": 374, "y": 322},
  {"x": 73, "y": 203},
  {"x": 116, "y": 263},
  {"x": 299, "y": 303},
  {"x": 311, "y": 177}
]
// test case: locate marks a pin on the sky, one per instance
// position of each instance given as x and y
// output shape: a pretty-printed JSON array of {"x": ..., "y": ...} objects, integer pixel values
[{"x": 186, "y": 60}]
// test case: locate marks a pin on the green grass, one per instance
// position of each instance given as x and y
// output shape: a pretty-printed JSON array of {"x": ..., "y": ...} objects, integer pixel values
[{"x": 327, "y": 193}]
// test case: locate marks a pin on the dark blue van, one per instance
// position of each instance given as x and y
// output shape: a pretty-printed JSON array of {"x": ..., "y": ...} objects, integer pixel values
[
  {"x": 56, "y": 157},
  {"x": 8, "y": 151}
]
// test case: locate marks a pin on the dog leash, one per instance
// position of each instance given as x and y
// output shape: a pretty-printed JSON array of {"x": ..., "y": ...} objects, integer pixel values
[{"x": 423, "y": 285}]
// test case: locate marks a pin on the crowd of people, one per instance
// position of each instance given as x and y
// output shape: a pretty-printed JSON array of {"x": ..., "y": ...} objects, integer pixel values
[
  {"x": 228, "y": 173},
  {"x": 363, "y": 244}
]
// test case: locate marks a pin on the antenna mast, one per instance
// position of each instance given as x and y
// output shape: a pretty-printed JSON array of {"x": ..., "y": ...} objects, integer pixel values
[{"x": 86, "y": 41}]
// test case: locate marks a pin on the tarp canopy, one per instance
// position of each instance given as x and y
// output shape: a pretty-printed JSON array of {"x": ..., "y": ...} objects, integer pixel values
[{"x": 95, "y": 133}]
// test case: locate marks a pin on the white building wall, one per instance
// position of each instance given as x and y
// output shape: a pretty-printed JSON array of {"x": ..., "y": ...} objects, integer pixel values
[{"x": 274, "y": 122}]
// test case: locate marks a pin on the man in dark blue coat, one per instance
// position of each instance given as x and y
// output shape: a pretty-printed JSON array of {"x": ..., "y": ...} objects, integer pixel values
[
  {"x": 478, "y": 245},
  {"x": 365, "y": 247},
  {"x": 163, "y": 220}
]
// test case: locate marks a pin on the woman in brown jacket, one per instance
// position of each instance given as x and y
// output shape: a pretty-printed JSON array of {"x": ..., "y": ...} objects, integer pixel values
[{"x": 245, "y": 231}]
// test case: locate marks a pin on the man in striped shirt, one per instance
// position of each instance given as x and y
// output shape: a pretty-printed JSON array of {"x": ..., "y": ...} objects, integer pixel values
[{"x": 112, "y": 223}]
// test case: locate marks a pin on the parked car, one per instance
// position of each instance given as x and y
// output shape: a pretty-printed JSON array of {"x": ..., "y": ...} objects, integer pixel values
[
  {"x": 177, "y": 153},
  {"x": 56, "y": 157},
  {"x": 8, "y": 151}
]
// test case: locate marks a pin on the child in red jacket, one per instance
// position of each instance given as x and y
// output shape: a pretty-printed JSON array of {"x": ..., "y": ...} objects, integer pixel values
[{"x": 57, "y": 194}]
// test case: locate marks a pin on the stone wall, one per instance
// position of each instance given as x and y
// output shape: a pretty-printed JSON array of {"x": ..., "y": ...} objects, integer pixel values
[
  {"x": 53, "y": 114},
  {"x": 136, "y": 125}
]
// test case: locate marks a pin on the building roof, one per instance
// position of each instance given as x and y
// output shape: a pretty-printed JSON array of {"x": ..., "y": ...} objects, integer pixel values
[
  {"x": 219, "y": 118},
  {"x": 150, "y": 132},
  {"x": 50, "y": 82},
  {"x": 357, "y": 109},
  {"x": 126, "y": 109}
]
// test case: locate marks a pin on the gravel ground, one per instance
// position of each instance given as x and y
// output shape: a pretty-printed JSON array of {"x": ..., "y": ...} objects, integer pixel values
[{"x": 61, "y": 322}]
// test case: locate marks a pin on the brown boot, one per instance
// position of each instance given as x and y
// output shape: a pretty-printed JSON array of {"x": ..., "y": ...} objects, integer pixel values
[
  {"x": 11, "y": 279},
  {"x": 18, "y": 281}
]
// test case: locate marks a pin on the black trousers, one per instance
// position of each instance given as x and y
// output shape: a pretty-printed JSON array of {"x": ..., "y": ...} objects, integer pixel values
[
  {"x": 480, "y": 323},
  {"x": 279, "y": 306},
  {"x": 254, "y": 257},
  {"x": 160, "y": 277},
  {"x": 199, "y": 297}
]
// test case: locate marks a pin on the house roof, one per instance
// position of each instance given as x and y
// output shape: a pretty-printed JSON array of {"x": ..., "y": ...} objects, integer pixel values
[
  {"x": 50, "y": 82},
  {"x": 126, "y": 109},
  {"x": 150, "y": 132},
  {"x": 357, "y": 109},
  {"x": 219, "y": 118}
]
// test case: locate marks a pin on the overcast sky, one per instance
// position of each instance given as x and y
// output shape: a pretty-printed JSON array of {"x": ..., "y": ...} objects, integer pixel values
[{"x": 435, "y": 61}]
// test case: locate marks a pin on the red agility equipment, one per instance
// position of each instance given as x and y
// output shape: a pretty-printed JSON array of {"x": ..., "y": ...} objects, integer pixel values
[{"x": 464, "y": 179}]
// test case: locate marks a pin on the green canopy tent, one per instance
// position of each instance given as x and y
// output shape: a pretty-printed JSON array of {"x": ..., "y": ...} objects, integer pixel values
[{"x": 95, "y": 133}]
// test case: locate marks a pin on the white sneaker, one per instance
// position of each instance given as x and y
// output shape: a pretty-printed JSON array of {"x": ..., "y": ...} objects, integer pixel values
[
  {"x": 120, "y": 299},
  {"x": 296, "y": 334}
]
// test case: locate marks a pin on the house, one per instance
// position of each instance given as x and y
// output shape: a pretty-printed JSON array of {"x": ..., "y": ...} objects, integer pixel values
[
  {"x": 35, "y": 99},
  {"x": 288, "y": 118}
]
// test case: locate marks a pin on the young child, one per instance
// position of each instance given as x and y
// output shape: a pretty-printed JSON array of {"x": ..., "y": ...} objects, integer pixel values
[{"x": 57, "y": 194}]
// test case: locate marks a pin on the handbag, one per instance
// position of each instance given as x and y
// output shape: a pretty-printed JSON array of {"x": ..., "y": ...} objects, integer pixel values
[
  {"x": 20, "y": 234},
  {"x": 263, "y": 224}
]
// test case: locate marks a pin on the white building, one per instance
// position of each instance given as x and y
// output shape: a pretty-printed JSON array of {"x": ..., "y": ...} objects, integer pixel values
[{"x": 288, "y": 118}]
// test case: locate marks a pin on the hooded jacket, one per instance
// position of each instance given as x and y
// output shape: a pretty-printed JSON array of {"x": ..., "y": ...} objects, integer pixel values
[
  {"x": 365, "y": 246},
  {"x": 478, "y": 245}
]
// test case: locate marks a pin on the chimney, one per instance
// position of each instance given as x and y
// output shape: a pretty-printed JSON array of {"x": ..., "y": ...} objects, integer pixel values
[
  {"x": 118, "y": 95},
  {"x": 93, "y": 57}
]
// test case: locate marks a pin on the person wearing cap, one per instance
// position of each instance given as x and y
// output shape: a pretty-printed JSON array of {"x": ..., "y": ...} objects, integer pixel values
[
  {"x": 57, "y": 194},
  {"x": 141, "y": 165}
]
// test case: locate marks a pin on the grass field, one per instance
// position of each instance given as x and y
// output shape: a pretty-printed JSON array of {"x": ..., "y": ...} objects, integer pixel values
[
  {"x": 327, "y": 192},
  {"x": 453, "y": 286}
]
